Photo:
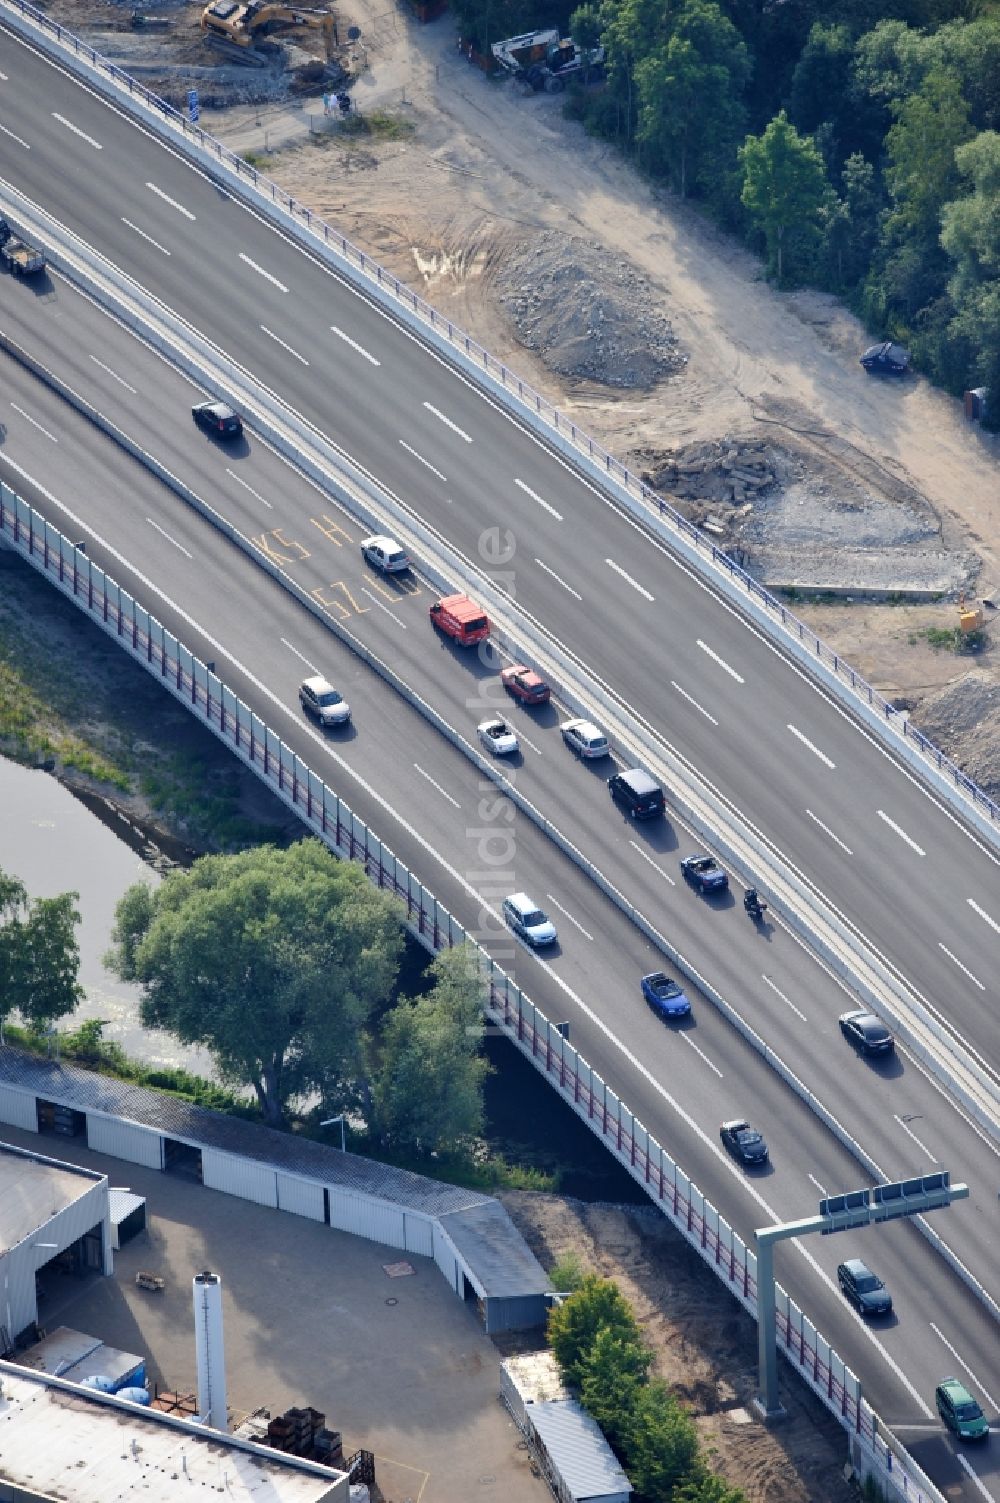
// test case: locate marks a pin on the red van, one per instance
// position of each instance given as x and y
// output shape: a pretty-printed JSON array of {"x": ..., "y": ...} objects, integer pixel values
[{"x": 461, "y": 619}]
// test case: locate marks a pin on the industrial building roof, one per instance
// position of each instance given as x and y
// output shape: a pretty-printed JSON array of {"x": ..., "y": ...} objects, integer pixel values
[
  {"x": 61, "y": 1441},
  {"x": 87, "y": 1091},
  {"x": 33, "y": 1188},
  {"x": 492, "y": 1246},
  {"x": 581, "y": 1455}
]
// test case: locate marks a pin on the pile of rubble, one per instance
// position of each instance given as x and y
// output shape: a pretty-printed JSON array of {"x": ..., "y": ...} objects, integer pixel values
[
  {"x": 587, "y": 317},
  {"x": 733, "y": 470}
]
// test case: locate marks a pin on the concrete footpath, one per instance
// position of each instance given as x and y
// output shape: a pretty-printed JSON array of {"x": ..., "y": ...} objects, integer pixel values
[{"x": 399, "y": 1365}]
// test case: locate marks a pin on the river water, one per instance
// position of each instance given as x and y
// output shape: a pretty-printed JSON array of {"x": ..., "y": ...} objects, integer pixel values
[{"x": 53, "y": 843}]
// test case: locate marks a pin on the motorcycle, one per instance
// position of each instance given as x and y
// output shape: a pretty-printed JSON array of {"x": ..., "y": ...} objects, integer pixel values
[{"x": 754, "y": 905}]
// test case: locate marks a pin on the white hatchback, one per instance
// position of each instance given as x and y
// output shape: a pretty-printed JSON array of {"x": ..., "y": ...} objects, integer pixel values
[
  {"x": 385, "y": 555},
  {"x": 584, "y": 738}
]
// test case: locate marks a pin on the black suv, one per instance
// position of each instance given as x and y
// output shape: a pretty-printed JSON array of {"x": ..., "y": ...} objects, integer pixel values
[
  {"x": 637, "y": 793},
  {"x": 864, "y": 1288}
]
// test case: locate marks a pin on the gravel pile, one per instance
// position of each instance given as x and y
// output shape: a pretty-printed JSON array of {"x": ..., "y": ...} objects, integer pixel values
[
  {"x": 963, "y": 719},
  {"x": 587, "y": 316}
]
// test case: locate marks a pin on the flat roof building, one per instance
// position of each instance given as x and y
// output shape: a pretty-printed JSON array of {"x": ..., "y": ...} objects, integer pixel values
[{"x": 61, "y": 1441}]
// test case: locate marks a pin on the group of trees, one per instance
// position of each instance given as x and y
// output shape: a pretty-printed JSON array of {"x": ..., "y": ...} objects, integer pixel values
[
  {"x": 284, "y": 965},
  {"x": 855, "y": 144},
  {"x": 602, "y": 1356},
  {"x": 39, "y": 955}
]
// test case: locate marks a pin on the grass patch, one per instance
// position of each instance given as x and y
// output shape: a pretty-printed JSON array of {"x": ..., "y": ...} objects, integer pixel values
[
  {"x": 380, "y": 124},
  {"x": 253, "y": 159},
  {"x": 950, "y": 639}
]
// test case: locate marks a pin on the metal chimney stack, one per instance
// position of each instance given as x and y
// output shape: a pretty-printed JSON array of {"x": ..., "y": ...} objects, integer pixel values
[{"x": 209, "y": 1353}]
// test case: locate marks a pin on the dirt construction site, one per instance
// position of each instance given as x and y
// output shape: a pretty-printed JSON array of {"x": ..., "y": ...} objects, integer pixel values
[{"x": 872, "y": 505}]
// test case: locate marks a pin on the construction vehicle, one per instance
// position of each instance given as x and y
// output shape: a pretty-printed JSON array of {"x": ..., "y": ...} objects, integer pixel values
[
  {"x": 244, "y": 23},
  {"x": 22, "y": 259},
  {"x": 542, "y": 60}
]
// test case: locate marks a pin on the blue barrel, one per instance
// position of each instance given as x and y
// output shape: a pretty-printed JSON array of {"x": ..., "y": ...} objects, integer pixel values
[
  {"x": 102, "y": 1384},
  {"x": 135, "y": 1395}
]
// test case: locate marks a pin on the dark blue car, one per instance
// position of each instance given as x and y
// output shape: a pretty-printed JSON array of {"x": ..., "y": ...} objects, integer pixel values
[
  {"x": 704, "y": 873},
  {"x": 665, "y": 996}
]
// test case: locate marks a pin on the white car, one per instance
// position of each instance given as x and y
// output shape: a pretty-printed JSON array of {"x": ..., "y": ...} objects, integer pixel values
[
  {"x": 527, "y": 920},
  {"x": 384, "y": 554},
  {"x": 584, "y": 738},
  {"x": 321, "y": 699},
  {"x": 497, "y": 737}
]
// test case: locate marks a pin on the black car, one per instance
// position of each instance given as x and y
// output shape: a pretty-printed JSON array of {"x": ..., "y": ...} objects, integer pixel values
[
  {"x": 637, "y": 793},
  {"x": 743, "y": 1142},
  {"x": 704, "y": 873},
  {"x": 864, "y": 1288},
  {"x": 867, "y": 1033},
  {"x": 217, "y": 418},
  {"x": 886, "y": 359}
]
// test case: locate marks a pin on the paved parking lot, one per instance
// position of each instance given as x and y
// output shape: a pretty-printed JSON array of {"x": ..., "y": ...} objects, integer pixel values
[{"x": 399, "y": 1365}]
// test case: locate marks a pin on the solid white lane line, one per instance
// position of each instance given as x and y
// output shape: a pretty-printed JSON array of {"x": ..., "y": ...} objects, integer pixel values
[
  {"x": 301, "y": 656},
  {"x": 814, "y": 749},
  {"x": 965, "y": 1367},
  {"x": 966, "y": 1466},
  {"x": 278, "y": 340},
  {"x": 18, "y": 139},
  {"x": 29, "y": 419},
  {"x": 787, "y": 1000},
  {"x": 692, "y": 701},
  {"x": 420, "y": 458},
  {"x": 77, "y": 131},
  {"x": 142, "y": 234},
  {"x": 448, "y": 422},
  {"x": 654, "y": 864},
  {"x": 820, "y": 1188},
  {"x": 443, "y": 791},
  {"x": 572, "y": 920},
  {"x": 911, "y": 1134},
  {"x": 179, "y": 546},
  {"x": 536, "y": 497},
  {"x": 553, "y": 575},
  {"x": 721, "y": 661},
  {"x": 628, "y": 578},
  {"x": 114, "y": 374},
  {"x": 358, "y": 348},
  {"x": 382, "y": 606},
  {"x": 268, "y": 277},
  {"x": 983, "y": 914},
  {"x": 827, "y": 831},
  {"x": 701, "y": 1053},
  {"x": 256, "y": 494},
  {"x": 964, "y": 969},
  {"x": 898, "y": 830},
  {"x": 171, "y": 201}
]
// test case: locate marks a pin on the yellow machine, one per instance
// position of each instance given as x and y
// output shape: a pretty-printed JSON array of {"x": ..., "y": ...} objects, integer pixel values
[
  {"x": 970, "y": 617},
  {"x": 243, "y": 23}
]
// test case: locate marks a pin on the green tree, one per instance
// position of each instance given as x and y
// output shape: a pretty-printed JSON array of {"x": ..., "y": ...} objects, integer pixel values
[
  {"x": 822, "y": 77},
  {"x": 427, "y": 1087},
  {"x": 689, "y": 110},
  {"x": 663, "y": 1444},
  {"x": 970, "y": 234},
  {"x": 704, "y": 1486},
  {"x": 785, "y": 190},
  {"x": 586, "y": 25},
  {"x": 39, "y": 954},
  {"x": 633, "y": 30},
  {"x": 275, "y": 961},
  {"x": 573, "y": 1326},
  {"x": 611, "y": 1373}
]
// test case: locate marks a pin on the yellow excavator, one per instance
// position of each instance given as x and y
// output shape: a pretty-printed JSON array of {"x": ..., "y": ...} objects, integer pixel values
[{"x": 243, "y": 23}]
